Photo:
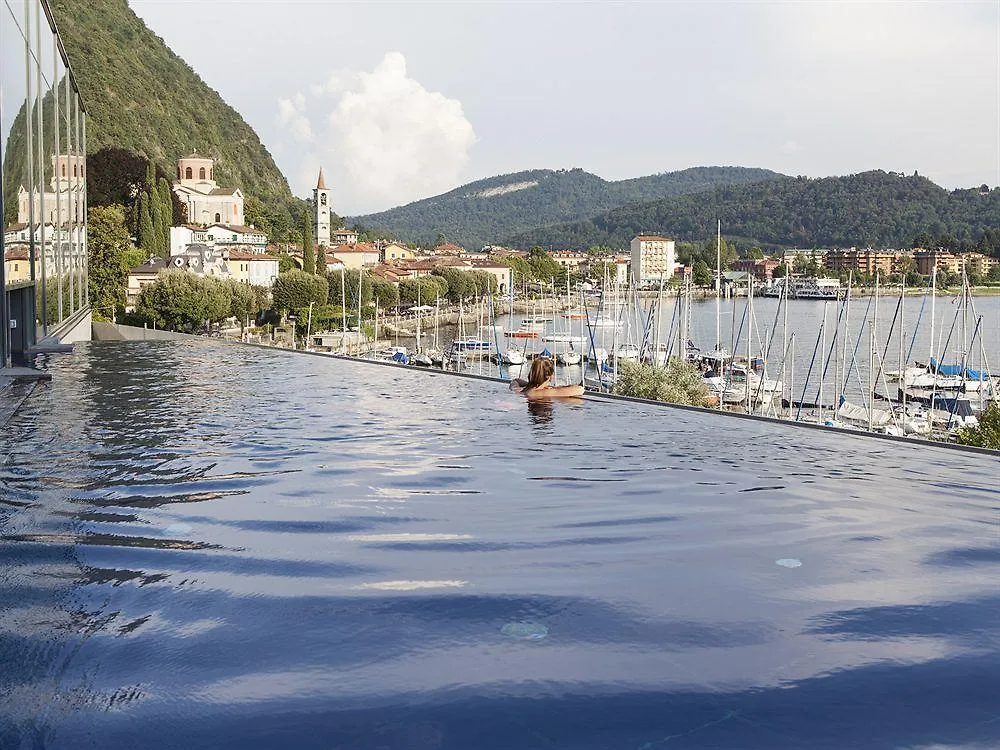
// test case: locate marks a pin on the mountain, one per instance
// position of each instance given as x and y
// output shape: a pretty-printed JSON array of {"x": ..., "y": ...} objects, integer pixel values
[
  {"x": 491, "y": 210},
  {"x": 142, "y": 97},
  {"x": 880, "y": 209}
]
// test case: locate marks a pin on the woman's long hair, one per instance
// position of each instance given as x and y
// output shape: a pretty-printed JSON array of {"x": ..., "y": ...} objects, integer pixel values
[{"x": 541, "y": 371}]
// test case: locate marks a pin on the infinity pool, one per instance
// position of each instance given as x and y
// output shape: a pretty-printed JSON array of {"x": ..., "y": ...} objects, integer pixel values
[{"x": 211, "y": 546}]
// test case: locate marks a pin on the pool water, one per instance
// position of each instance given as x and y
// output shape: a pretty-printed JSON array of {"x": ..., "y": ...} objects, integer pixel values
[{"x": 207, "y": 545}]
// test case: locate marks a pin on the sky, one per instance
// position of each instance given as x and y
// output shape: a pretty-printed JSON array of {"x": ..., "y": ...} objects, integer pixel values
[{"x": 402, "y": 101}]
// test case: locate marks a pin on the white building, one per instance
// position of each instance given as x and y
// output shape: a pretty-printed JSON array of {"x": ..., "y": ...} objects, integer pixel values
[
  {"x": 65, "y": 203},
  {"x": 219, "y": 236},
  {"x": 653, "y": 257},
  {"x": 321, "y": 209},
  {"x": 326, "y": 235},
  {"x": 251, "y": 268},
  {"x": 206, "y": 202}
]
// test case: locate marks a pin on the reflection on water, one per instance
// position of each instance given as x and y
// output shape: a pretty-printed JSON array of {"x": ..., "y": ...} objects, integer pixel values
[{"x": 208, "y": 546}]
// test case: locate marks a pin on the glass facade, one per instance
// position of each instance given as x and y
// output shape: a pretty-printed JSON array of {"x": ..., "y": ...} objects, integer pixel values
[{"x": 43, "y": 137}]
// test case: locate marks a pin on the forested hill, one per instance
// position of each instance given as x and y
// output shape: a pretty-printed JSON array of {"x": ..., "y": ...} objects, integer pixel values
[
  {"x": 876, "y": 209},
  {"x": 142, "y": 97},
  {"x": 491, "y": 210}
]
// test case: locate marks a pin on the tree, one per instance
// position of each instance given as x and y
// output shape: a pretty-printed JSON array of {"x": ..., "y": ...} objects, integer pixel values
[
  {"x": 296, "y": 289},
  {"x": 350, "y": 292},
  {"x": 755, "y": 253},
  {"x": 459, "y": 283},
  {"x": 481, "y": 283},
  {"x": 157, "y": 245},
  {"x": 146, "y": 236},
  {"x": 245, "y": 301},
  {"x": 108, "y": 246},
  {"x": 780, "y": 271},
  {"x": 385, "y": 293},
  {"x": 987, "y": 433},
  {"x": 421, "y": 291},
  {"x": 165, "y": 196},
  {"x": 308, "y": 253},
  {"x": 179, "y": 300},
  {"x": 701, "y": 274}
]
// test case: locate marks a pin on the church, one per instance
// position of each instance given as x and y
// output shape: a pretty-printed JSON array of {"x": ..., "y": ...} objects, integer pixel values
[
  {"x": 321, "y": 219},
  {"x": 206, "y": 202},
  {"x": 65, "y": 203}
]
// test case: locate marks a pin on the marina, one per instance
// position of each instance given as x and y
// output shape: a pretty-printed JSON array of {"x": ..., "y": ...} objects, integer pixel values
[{"x": 914, "y": 364}]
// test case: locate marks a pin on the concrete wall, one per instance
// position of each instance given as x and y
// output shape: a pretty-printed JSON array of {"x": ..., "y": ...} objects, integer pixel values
[
  {"x": 112, "y": 332},
  {"x": 74, "y": 329}
]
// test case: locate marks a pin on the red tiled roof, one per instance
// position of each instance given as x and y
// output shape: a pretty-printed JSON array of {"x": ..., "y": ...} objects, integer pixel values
[
  {"x": 359, "y": 247},
  {"x": 448, "y": 248},
  {"x": 652, "y": 238},
  {"x": 16, "y": 253}
]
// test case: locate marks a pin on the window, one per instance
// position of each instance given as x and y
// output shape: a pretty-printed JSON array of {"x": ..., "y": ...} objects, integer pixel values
[
  {"x": 218, "y": 217},
  {"x": 63, "y": 170},
  {"x": 201, "y": 173},
  {"x": 188, "y": 174},
  {"x": 74, "y": 170},
  {"x": 322, "y": 199}
]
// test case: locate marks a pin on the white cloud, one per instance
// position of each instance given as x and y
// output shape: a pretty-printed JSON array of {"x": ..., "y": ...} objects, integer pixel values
[
  {"x": 387, "y": 140},
  {"x": 292, "y": 118},
  {"x": 790, "y": 147}
]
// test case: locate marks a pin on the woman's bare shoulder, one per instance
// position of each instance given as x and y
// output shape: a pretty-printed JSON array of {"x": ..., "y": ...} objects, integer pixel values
[{"x": 562, "y": 391}]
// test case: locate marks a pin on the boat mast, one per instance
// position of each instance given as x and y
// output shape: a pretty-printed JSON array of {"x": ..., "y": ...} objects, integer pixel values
[
  {"x": 718, "y": 287},
  {"x": 343, "y": 312},
  {"x": 822, "y": 376}
]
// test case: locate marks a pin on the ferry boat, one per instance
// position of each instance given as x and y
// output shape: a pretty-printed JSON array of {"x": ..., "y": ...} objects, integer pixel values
[{"x": 806, "y": 288}]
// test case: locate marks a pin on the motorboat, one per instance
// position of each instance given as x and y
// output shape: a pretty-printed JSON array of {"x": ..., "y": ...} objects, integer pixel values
[{"x": 422, "y": 360}]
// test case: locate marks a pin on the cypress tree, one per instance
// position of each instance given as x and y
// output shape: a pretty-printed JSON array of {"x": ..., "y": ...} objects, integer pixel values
[
  {"x": 167, "y": 209},
  {"x": 308, "y": 254},
  {"x": 147, "y": 237}
]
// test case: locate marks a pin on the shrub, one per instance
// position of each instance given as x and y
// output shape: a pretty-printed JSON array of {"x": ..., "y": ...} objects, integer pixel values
[{"x": 676, "y": 383}]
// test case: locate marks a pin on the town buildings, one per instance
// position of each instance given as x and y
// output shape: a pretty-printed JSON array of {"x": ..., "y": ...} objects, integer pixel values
[
  {"x": 653, "y": 257},
  {"x": 205, "y": 202},
  {"x": 65, "y": 201}
]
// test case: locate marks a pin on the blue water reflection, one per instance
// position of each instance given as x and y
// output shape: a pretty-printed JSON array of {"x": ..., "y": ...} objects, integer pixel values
[{"x": 211, "y": 546}]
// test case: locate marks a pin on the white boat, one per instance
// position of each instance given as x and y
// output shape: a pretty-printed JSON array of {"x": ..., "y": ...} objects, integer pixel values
[
  {"x": 570, "y": 358},
  {"x": 512, "y": 357},
  {"x": 602, "y": 321},
  {"x": 471, "y": 344},
  {"x": 563, "y": 338},
  {"x": 627, "y": 351},
  {"x": 598, "y": 355},
  {"x": 423, "y": 360}
]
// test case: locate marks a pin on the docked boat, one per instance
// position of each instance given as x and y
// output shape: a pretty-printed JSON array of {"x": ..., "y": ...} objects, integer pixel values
[{"x": 571, "y": 357}]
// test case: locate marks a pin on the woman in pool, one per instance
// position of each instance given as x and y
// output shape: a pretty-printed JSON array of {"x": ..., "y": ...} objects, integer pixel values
[{"x": 539, "y": 382}]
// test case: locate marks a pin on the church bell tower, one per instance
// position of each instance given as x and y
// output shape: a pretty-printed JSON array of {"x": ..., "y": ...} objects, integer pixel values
[{"x": 321, "y": 206}]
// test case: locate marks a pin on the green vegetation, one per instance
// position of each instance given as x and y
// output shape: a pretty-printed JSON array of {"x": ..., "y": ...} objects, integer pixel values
[
  {"x": 294, "y": 290},
  {"x": 422, "y": 291},
  {"x": 308, "y": 252},
  {"x": 349, "y": 294},
  {"x": 110, "y": 254},
  {"x": 878, "y": 209},
  {"x": 987, "y": 434},
  {"x": 491, "y": 211},
  {"x": 142, "y": 98},
  {"x": 183, "y": 301},
  {"x": 677, "y": 383}
]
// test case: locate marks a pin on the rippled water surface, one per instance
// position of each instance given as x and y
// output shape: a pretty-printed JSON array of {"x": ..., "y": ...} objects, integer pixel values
[{"x": 211, "y": 546}]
